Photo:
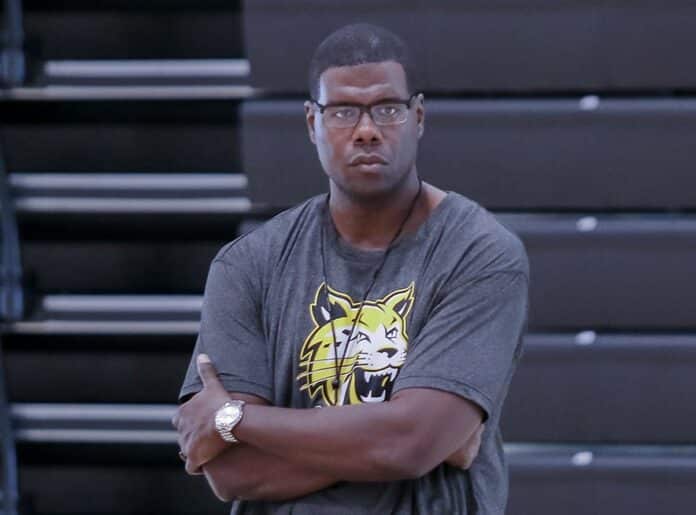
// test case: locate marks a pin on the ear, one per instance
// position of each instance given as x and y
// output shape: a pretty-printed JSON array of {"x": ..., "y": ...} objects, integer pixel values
[
  {"x": 309, "y": 118},
  {"x": 401, "y": 301},
  {"x": 339, "y": 305},
  {"x": 420, "y": 114}
]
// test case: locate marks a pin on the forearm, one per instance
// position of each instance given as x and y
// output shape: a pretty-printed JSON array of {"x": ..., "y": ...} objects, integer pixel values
[
  {"x": 245, "y": 472},
  {"x": 368, "y": 442},
  {"x": 403, "y": 438}
]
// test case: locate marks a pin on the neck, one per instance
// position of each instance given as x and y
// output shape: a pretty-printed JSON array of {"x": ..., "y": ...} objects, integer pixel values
[{"x": 372, "y": 223}]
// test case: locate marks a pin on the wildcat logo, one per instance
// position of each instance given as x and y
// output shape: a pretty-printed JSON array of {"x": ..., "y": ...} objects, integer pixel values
[{"x": 368, "y": 360}]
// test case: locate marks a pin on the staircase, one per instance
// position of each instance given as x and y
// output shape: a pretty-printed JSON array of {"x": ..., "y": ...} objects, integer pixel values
[{"x": 135, "y": 142}]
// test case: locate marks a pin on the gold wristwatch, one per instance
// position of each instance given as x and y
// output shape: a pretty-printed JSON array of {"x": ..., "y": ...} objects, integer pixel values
[{"x": 227, "y": 417}]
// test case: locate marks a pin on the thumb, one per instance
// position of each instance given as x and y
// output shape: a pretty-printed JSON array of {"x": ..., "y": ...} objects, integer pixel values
[
  {"x": 206, "y": 370},
  {"x": 479, "y": 433}
]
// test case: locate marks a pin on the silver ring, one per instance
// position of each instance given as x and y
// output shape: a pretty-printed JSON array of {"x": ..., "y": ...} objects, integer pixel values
[{"x": 182, "y": 456}]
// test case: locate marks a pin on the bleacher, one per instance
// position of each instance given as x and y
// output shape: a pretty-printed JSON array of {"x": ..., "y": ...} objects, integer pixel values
[{"x": 134, "y": 142}]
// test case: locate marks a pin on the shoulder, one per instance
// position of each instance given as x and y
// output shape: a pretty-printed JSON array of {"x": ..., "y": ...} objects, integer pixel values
[
  {"x": 270, "y": 237},
  {"x": 485, "y": 244},
  {"x": 248, "y": 260}
]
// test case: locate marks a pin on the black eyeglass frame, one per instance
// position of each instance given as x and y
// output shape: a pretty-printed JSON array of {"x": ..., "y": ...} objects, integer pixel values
[{"x": 366, "y": 108}]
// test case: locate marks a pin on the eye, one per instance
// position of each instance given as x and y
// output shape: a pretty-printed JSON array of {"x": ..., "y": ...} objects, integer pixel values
[
  {"x": 363, "y": 337},
  {"x": 392, "y": 333},
  {"x": 387, "y": 110},
  {"x": 342, "y": 113}
]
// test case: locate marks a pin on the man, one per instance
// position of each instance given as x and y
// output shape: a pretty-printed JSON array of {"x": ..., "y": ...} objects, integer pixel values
[{"x": 393, "y": 306}]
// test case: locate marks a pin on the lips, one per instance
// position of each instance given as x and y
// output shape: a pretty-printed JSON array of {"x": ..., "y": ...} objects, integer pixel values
[{"x": 367, "y": 159}]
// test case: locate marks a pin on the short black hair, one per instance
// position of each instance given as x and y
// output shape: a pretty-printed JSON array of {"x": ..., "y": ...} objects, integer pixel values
[{"x": 359, "y": 43}]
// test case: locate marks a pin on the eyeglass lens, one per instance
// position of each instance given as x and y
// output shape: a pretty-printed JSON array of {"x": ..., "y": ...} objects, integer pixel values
[{"x": 382, "y": 114}]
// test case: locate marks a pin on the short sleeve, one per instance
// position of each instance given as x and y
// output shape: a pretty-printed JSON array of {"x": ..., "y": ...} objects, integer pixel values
[
  {"x": 471, "y": 341},
  {"x": 231, "y": 333}
]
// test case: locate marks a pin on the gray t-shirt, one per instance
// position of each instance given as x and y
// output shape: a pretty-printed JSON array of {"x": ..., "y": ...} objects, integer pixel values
[{"x": 447, "y": 311}]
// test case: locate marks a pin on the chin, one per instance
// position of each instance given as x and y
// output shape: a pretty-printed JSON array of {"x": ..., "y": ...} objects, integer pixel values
[
  {"x": 366, "y": 187},
  {"x": 362, "y": 184}
]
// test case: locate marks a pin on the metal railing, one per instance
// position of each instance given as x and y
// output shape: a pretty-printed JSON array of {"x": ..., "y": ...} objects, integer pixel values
[
  {"x": 12, "y": 61},
  {"x": 11, "y": 309},
  {"x": 11, "y": 294},
  {"x": 9, "y": 497}
]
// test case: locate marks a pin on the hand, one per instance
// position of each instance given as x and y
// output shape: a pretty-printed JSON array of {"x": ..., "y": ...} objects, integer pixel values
[
  {"x": 199, "y": 441},
  {"x": 466, "y": 454}
]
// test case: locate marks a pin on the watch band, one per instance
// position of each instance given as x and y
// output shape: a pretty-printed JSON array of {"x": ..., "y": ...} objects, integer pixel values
[{"x": 227, "y": 417}]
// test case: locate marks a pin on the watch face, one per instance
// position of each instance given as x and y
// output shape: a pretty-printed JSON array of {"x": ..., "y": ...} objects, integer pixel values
[{"x": 228, "y": 415}]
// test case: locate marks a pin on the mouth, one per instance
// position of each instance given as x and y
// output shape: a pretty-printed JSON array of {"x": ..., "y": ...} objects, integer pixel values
[
  {"x": 374, "y": 385},
  {"x": 368, "y": 161}
]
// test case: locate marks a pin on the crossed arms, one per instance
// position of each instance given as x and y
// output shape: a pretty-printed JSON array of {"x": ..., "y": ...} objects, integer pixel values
[{"x": 286, "y": 453}]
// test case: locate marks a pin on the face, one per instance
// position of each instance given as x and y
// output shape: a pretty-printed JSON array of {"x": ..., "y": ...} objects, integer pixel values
[{"x": 367, "y": 160}]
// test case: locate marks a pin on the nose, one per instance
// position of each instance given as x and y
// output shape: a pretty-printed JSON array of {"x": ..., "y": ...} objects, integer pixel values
[
  {"x": 389, "y": 351},
  {"x": 366, "y": 132}
]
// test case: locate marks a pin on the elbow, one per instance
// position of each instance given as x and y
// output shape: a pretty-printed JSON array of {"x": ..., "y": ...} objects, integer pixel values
[
  {"x": 222, "y": 493},
  {"x": 221, "y": 489},
  {"x": 253, "y": 492},
  {"x": 401, "y": 450},
  {"x": 229, "y": 487},
  {"x": 244, "y": 492},
  {"x": 229, "y": 493},
  {"x": 407, "y": 457},
  {"x": 417, "y": 459}
]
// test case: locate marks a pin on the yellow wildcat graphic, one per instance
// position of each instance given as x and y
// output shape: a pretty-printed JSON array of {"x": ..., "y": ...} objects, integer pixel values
[{"x": 374, "y": 354}]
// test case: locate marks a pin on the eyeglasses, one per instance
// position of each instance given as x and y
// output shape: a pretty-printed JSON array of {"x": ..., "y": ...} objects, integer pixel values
[{"x": 347, "y": 116}]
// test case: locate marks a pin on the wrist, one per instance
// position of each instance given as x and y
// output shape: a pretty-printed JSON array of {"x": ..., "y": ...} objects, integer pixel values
[{"x": 226, "y": 419}]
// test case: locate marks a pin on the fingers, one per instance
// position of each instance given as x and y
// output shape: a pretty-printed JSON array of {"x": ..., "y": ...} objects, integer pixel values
[
  {"x": 191, "y": 455},
  {"x": 474, "y": 446},
  {"x": 467, "y": 453},
  {"x": 193, "y": 469},
  {"x": 193, "y": 435},
  {"x": 475, "y": 439},
  {"x": 476, "y": 435},
  {"x": 206, "y": 370}
]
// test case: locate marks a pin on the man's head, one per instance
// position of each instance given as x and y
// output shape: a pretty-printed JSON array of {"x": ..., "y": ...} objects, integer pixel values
[{"x": 364, "y": 117}]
